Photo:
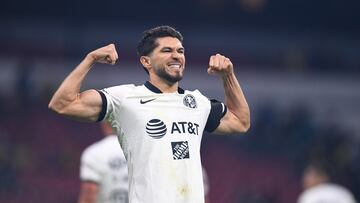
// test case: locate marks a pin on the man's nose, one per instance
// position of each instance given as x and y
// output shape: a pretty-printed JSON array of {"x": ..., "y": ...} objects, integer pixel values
[{"x": 175, "y": 55}]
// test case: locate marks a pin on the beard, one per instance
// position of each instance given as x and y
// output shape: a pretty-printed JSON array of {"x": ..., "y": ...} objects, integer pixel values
[{"x": 170, "y": 79}]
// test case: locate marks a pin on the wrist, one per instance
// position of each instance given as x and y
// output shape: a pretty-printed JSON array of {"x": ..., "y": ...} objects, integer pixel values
[{"x": 228, "y": 74}]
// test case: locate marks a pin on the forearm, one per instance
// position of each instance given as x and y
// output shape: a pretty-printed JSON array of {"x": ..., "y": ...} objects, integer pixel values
[
  {"x": 235, "y": 100},
  {"x": 69, "y": 90},
  {"x": 84, "y": 198},
  {"x": 88, "y": 192}
]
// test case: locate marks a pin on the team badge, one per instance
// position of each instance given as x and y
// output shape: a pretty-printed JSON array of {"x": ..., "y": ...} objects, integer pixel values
[{"x": 190, "y": 101}]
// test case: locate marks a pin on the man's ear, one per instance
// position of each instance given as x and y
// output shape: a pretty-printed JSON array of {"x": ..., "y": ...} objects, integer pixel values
[{"x": 145, "y": 61}]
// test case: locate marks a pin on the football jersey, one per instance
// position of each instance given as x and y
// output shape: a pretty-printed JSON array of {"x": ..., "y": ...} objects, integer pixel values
[
  {"x": 104, "y": 163},
  {"x": 160, "y": 134},
  {"x": 326, "y": 193},
  {"x": 206, "y": 182}
]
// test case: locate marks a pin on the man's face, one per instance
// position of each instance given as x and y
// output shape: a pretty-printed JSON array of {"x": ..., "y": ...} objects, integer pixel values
[
  {"x": 313, "y": 177},
  {"x": 168, "y": 59}
]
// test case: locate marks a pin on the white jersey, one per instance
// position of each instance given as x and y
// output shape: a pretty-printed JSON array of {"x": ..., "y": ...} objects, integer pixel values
[
  {"x": 326, "y": 193},
  {"x": 104, "y": 163},
  {"x": 206, "y": 182},
  {"x": 160, "y": 134}
]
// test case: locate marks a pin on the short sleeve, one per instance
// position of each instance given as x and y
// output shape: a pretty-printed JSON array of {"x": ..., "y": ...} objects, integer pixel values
[
  {"x": 88, "y": 170},
  {"x": 217, "y": 111},
  {"x": 111, "y": 99}
]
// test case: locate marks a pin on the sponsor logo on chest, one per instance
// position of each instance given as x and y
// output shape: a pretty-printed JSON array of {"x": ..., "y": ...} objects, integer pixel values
[
  {"x": 157, "y": 129},
  {"x": 185, "y": 127}
]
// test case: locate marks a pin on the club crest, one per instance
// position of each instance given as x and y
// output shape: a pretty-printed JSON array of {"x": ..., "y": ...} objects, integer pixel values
[{"x": 190, "y": 101}]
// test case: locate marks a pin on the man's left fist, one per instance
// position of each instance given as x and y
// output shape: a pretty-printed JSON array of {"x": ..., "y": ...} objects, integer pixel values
[{"x": 220, "y": 65}]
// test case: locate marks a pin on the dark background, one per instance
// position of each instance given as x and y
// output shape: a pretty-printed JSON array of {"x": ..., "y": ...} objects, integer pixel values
[{"x": 297, "y": 61}]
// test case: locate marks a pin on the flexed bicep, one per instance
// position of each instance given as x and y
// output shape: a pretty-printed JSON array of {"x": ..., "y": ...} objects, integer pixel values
[
  {"x": 237, "y": 119},
  {"x": 86, "y": 107},
  {"x": 230, "y": 124}
]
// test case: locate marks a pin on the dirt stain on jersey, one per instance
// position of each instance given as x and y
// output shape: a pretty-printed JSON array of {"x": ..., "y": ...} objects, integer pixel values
[{"x": 184, "y": 192}]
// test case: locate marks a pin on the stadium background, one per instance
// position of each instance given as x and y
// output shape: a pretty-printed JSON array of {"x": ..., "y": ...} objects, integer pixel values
[{"x": 298, "y": 63}]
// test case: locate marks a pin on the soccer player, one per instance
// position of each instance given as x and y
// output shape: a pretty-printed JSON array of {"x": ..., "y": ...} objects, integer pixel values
[
  {"x": 103, "y": 171},
  {"x": 318, "y": 187},
  {"x": 159, "y": 124}
]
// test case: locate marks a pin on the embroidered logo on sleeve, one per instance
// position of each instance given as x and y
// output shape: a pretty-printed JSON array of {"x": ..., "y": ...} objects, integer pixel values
[{"x": 180, "y": 150}]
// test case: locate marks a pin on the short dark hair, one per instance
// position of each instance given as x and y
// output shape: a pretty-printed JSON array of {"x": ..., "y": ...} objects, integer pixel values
[
  {"x": 322, "y": 166},
  {"x": 147, "y": 43}
]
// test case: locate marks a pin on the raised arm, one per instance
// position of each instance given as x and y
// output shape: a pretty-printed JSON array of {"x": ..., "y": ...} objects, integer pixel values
[
  {"x": 84, "y": 106},
  {"x": 237, "y": 118}
]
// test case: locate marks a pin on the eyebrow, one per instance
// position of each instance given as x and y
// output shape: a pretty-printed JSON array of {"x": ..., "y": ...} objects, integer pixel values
[{"x": 180, "y": 48}]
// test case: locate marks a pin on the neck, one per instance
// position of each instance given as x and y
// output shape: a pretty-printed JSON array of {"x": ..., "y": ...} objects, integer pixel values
[{"x": 164, "y": 86}]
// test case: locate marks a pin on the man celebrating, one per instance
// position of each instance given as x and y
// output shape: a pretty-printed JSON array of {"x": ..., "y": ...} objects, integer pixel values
[{"x": 159, "y": 125}]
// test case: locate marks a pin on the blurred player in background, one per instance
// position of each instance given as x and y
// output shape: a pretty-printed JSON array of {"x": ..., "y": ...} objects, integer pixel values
[
  {"x": 103, "y": 171},
  {"x": 319, "y": 189},
  {"x": 159, "y": 124}
]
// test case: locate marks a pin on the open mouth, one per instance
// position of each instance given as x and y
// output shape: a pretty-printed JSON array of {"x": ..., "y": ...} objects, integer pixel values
[{"x": 174, "y": 65}]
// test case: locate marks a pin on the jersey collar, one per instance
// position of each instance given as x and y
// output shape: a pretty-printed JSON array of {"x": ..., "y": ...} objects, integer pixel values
[{"x": 154, "y": 89}]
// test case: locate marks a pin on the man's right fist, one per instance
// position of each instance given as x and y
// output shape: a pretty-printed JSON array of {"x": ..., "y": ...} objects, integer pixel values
[{"x": 106, "y": 54}]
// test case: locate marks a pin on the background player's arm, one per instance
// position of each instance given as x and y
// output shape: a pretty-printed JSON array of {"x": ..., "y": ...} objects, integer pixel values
[
  {"x": 88, "y": 192},
  {"x": 237, "y": 118},
  {"x": 84, "y": 106}
]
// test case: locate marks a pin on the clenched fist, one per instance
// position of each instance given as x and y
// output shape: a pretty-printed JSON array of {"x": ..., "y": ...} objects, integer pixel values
[
  {"x": 220, "y": 65},
  {"x": 106, "y": 54}
]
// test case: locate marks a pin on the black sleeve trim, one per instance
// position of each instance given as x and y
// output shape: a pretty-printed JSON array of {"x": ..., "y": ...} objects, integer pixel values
[
  {"x": 218, "y": 110},
  {"x": 224, "y": 109},
  {"x": 103, "y": 106}
]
